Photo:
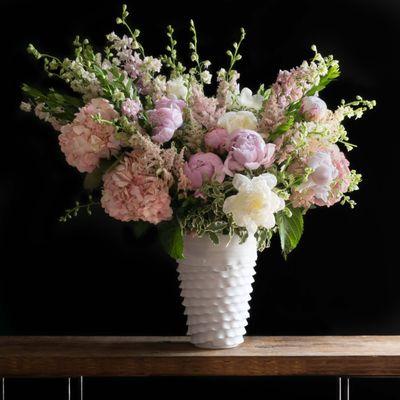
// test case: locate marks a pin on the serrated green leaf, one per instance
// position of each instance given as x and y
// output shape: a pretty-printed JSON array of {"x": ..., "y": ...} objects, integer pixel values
[{"x": 290, "y": 229}]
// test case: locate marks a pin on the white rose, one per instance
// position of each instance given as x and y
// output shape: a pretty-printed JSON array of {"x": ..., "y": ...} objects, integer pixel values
[
  {"x": 233, "y": 120},
  {"x": 248, "y": 100},
  {"x": 255, "y": 204},
  {"x": 176, "y": 88}
]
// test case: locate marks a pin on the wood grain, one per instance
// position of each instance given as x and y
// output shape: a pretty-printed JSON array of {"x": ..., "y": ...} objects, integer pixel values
[{"x": 22, "y": 356}]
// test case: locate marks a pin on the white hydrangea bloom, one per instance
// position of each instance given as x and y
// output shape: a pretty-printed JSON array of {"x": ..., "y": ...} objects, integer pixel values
[
  {"x": 255, "y": 204},
  {"x": 234, "y": 120}
]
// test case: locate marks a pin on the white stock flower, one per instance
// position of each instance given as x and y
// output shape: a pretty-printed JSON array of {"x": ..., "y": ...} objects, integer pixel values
[
  {"x": 234, "y": 120},
  {"x": 24, "y": 106},
  {"x": 176, "y": 88},
  {"x": 206, "y": 77},
  {"x": 248, "y": 100},
  {"x": 255, "y": 204}
]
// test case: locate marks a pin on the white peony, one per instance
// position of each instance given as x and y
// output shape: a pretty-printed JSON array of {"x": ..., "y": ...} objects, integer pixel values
[
  {"x": 255, "y": 204},
  {"x": 176, "y": 88},
  {"x": 234, "y": 120},
  {"x": 248, "y": 100}
]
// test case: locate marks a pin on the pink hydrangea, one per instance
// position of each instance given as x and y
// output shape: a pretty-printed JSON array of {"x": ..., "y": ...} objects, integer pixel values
[
  {"x": 85, "y": 141},
  {"x": 131, "y": 108},
  {"x": 204, "y": 167},
  {"x": 329, "y": 180},
  {"x": 129, "y": 194},
  {"x": 248, "y": 150},
  {"x": 218, "y": 139},
  {"x": 166, "y": 118}
]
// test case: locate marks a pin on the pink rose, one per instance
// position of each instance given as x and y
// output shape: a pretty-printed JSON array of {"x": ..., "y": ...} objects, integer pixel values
[
  {"x": 218, "y": 139},
  {"x": 131, "y": 108},
  {"x": 313, "y": 108},
  {"x": 248, "y": 150},
  {"x": 204, "y": 167},
  {"x": 166, "y": 118}
]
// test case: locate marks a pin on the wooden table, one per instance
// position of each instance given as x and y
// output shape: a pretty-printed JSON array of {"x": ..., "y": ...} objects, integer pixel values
[{"x": 342, "y": 356}]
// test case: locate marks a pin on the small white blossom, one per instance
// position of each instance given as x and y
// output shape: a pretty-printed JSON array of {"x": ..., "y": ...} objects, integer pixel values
[
  {"x": 255, "y": 204},
  {"x": 206, "y": 77},
  {"x": 24, "y": 106}
]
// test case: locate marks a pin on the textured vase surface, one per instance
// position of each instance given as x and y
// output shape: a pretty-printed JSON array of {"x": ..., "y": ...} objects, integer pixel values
[{"x": 216, "y": 283}]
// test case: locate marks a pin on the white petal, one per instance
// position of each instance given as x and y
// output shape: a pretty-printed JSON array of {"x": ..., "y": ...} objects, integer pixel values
[{"x": 241, "y": 182}]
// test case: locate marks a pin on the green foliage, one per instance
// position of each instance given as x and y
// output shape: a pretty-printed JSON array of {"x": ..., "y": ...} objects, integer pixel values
[
  {"x": 325, "y": 80},
  {"x": 170, "y": 234},
  {"x": 292, "y": 115},
  {"x": 171, "y": 59},
  {"x": 140, "y": 228},
  {"x": 61, "y": 106},
  {"x": 234, "y": 56},
  {"x": 290, "y": 226},
  {"x": 74, "y": 211},
  {"x": 94, "y": 179},
  {"x": 133, "y": 33}
]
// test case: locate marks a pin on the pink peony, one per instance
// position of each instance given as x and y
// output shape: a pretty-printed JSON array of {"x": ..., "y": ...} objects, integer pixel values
[
  {"x": 165, "y": 102},
  {"x": 129, "y": 194},
  {"x": 84, "y": 141},
  {"x": 204, "y": 167},
  {"x": 248, "y": 150},
  {"x": 131, "y": 108},
  {"x": 329, "y": 180},
  {"x": 218, "y": 139},
  {"x": 166, "y": 119},
  {"x": 313, "y": 108}
]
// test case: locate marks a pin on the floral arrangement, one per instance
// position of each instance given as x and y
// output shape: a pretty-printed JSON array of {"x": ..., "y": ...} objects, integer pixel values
[{"x": 157, "y": 150}]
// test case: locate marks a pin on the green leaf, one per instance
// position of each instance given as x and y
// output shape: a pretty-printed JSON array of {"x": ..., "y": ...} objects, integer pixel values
[
  {"x": 213, "y": 237},
  {"x": 282, "y": 128},
  {"x": 140, "y": 228},
  {"x": 94, "y": 179},
  {"x": 333, "y": 73},
  {"x": 290, "y": 229},
  {"x": 171, "y": 237}
]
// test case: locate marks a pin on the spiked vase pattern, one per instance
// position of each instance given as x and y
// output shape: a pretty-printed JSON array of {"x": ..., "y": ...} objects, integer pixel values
[{"x": 216, "y": 283}]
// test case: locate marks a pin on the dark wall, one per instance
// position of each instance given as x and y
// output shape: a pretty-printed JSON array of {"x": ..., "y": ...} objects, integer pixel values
[{"x": 91, "y": 276}]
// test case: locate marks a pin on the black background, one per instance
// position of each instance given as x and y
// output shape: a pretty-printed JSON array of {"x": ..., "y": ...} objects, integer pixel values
[{"x": 91, "y": 276}]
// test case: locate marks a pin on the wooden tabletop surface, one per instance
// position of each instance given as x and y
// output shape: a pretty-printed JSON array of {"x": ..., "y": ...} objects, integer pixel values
[{"x": 105, "y": 356}]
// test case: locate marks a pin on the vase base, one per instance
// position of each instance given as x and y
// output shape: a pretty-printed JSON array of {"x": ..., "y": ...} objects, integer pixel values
[{"x": 213, "y": 346}]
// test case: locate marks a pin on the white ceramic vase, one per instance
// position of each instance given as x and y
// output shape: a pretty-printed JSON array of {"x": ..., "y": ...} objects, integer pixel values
[{"x": 216, "y": 283}]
